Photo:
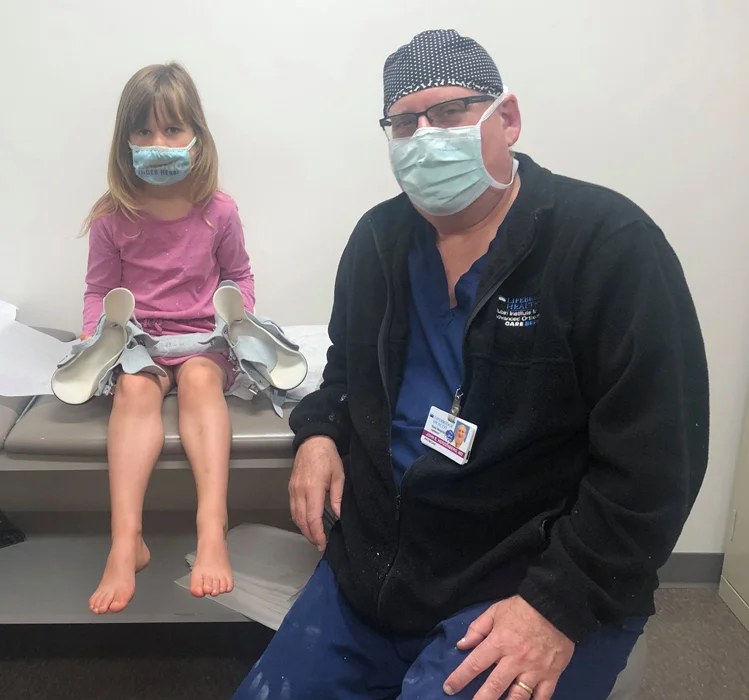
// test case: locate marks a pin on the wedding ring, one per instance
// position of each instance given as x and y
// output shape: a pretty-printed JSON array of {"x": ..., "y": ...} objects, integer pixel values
[{"x": 525, "y": 687}]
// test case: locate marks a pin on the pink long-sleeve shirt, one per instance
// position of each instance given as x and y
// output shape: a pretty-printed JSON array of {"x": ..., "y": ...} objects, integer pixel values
[{"x": 171, "y": 267}]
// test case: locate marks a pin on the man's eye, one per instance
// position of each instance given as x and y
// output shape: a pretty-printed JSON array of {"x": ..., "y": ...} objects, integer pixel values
[
  {"x": 448, "y": 111},
  {"x": 403, "y": 123}
]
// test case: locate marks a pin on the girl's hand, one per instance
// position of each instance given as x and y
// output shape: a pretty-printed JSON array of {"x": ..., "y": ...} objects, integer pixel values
[{"x": 85, "y": 336}]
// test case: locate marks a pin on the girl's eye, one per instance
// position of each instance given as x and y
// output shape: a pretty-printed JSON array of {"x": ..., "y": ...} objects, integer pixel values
[
  {"x": 173, "y": 130},
  {"x": 143, "y": 132}
]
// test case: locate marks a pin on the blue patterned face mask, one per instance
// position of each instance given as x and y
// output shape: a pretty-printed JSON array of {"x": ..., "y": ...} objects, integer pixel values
[{"x": 162, "y": 165}]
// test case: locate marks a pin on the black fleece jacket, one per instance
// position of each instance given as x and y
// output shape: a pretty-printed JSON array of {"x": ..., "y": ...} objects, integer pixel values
[{"x": 593, "y": 423}]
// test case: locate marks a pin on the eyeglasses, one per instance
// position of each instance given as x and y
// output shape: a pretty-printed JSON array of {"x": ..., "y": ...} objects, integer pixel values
[{"x": 442, "y": 115}]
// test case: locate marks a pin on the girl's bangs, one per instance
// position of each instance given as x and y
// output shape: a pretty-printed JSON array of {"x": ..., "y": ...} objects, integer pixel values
[{"x": 166, "y": 103}]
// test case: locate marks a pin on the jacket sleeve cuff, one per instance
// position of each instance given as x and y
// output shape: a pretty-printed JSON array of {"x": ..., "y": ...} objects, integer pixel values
[
  {"x": 317, "y": 430},
  {"x": 571, "y": 617}
]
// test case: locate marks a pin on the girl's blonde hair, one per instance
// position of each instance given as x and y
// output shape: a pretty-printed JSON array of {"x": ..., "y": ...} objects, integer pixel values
[{"x": 167, "y": 92}]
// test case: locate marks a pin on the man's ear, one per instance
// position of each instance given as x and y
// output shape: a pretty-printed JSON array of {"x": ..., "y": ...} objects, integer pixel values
[{"x": 509, "y": 112}]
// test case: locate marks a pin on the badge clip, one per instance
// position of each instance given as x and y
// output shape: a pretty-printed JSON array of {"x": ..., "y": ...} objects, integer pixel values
[{"x": 455, "y": 410}]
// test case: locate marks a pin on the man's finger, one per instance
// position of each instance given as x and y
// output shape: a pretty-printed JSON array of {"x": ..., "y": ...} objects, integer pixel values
[
  {"x": 478, "y": 631},
  {"x": 527, "y": 690},
  {"x": 299, "y": 510},
  {"x": 292, "y": 500},
  {"x": 298, "y": 502},
  {"x": 499, "y": 681},
  {"x": 314, "y": 509},
  {"x": 516, "y": 692},
  {"x": 336, "y": 494},
  {"x": 484, "y": 656},
  {"x": 544, "y": 690}
]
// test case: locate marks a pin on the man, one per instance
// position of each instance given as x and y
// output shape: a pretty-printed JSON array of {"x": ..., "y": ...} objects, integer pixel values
[
  {"x": 553, "y": 318},
  {"x": 461, "y": 432}
]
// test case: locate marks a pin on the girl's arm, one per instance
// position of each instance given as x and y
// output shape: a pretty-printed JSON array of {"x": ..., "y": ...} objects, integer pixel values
[
  {"x": 103, "y": 275},
  {"x": 233, "y": 259}
]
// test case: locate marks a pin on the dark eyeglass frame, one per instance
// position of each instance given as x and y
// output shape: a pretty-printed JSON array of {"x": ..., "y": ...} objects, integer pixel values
[{"x": 470, "y": 100}]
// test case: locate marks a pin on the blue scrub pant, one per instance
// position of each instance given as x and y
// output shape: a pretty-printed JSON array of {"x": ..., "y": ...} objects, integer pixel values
[{"x": 324, "y": 651}]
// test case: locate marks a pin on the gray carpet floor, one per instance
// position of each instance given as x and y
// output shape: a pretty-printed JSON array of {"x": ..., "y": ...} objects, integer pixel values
[{"x": 697, "y": 651}]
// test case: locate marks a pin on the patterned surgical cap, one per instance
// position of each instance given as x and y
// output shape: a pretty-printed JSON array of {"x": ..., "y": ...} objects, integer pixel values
[{"x": 437, "y": 58}]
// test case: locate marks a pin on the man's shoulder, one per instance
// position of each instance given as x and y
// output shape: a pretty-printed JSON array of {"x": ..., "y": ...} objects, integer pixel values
[
  {"x": 384, "y": 213},
  {"x": 584, "y": 224},
  {"x": 599, "y": 224},
  {"x": 380, "y": 218},
  {"x": 602, "y": 209},
  {"x": 584, "y": 215}
]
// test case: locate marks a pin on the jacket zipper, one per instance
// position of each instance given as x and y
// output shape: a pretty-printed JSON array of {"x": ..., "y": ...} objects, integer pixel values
[
  {"x": 459, "y": 394},
  {"x": 386, "y": 321},
  {"x": 381, "y": 338}
]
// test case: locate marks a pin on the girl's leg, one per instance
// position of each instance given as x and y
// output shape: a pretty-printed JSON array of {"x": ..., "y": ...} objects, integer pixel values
[
  {"x": 134, "y": 442},
  {"x": 205, "y": 429}
]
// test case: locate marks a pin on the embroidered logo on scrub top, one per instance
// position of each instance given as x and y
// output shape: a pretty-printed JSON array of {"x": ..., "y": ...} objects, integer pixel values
[{"x": 518, "y": 311}]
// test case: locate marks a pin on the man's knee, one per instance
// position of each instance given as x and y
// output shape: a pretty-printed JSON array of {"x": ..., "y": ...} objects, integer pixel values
[{"x": 277, "y": 676}]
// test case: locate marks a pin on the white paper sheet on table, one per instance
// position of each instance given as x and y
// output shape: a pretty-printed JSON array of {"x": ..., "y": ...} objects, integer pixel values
[
  {"x": 313, "y": 341},
  {"x": 8, "y": 312},
  {"x": 28, "y": 358},
  {"x": 271, "y": 567}
]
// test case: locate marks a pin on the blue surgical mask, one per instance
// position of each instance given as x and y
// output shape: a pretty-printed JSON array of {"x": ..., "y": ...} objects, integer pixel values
[
  {"x": 442, "y": 170},
  {"x": 161, "y": 165}
]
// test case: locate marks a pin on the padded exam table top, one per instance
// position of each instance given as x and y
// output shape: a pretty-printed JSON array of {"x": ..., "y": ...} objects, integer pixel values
[{"x": 53, "y": 429}]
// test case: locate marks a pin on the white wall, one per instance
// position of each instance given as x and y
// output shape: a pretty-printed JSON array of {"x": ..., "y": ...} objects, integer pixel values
[{"x": 647, "y": 97}]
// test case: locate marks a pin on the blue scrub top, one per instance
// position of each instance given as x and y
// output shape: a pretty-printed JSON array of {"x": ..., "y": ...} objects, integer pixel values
[{"x": 433, "y": 370}]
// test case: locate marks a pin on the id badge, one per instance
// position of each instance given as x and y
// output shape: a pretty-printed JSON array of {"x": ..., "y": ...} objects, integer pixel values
[{"x": 448, "y": 435}]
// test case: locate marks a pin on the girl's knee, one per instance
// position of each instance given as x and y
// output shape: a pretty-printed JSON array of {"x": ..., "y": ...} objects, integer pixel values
[
  {"x": 138, "y": 391},
  {"x": 200, "y": 376}
]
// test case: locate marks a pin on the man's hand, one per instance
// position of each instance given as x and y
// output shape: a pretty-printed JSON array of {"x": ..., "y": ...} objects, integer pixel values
[
  {"x": 522, "y": 643},
  {"x": 317, "y": 470}
]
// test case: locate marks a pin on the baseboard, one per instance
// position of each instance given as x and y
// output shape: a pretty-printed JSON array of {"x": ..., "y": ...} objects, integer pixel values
[
  {"x": 692, "y": 570},
  {"x": 735, "y": 602}
]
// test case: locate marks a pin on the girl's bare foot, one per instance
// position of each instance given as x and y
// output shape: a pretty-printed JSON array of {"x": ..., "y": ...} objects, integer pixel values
[
  {"x": 116, "y": 589},
  {"x": 211, "y": 573}
]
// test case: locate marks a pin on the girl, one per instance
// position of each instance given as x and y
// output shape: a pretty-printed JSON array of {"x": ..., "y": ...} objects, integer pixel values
[{"x": 165, "y": 231}]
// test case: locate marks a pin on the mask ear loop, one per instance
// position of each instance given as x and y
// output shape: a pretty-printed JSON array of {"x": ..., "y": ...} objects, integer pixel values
[
  {"x": 515, "y": 164},
  {"x": 493, "y": 106}
]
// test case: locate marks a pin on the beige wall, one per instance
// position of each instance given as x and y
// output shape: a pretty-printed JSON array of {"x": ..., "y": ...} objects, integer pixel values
[{"x": 647, "y": 97}]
